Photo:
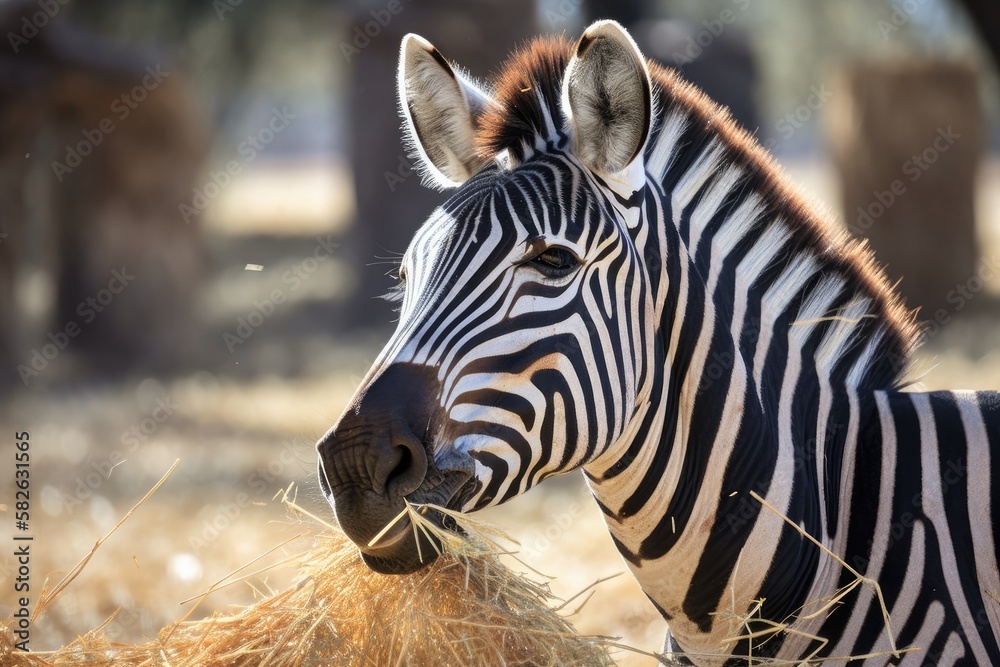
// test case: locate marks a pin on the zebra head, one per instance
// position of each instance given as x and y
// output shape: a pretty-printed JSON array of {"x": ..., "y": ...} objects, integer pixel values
[{"x": 526, "y": 315}]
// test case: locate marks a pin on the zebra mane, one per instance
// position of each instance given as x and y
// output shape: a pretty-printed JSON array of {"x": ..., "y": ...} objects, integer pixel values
[
  {"x": 528, "y": 94},
  {"x": 528, "y": 117}
]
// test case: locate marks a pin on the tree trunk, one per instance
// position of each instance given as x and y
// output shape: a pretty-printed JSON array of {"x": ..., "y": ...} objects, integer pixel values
[
  {"x": 391, "y": 202},
  {"x": 907, "y": 140}
]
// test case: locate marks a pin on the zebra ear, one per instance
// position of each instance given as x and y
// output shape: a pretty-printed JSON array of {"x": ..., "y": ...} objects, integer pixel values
[
  {"x": 440, "y": 108},
  {"x": 607, "y": 98}
]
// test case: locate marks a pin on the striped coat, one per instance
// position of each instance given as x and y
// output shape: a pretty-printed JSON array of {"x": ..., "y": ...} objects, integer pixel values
[{"x": 624, "y": 283}]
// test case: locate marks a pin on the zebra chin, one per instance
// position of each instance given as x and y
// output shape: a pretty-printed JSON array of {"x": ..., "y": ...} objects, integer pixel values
[
  {"x": 402, "y": 548},
  {"x": 386, "y": 537}
]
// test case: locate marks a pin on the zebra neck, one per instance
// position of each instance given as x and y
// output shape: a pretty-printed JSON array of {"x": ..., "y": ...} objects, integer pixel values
[
  {"x": 763, "y": 342},
  {"x": 723, "y": 419}
]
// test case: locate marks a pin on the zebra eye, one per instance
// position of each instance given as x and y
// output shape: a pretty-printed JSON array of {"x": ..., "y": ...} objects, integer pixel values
[
  {"x": 555, "y": 262},
  {"x": 397, "y": 291}
]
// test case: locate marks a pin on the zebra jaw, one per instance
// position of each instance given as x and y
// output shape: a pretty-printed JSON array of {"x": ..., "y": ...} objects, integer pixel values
[{"x": 386, "y": 536}]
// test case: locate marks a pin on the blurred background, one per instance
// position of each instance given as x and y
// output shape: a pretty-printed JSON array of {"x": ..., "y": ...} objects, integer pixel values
[{"x": 201, "y": 200}]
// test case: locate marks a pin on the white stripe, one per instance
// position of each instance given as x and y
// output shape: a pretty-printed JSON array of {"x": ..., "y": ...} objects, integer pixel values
[
  {"x": 662, "y": 152},
  {"x": 928, "y": 630},
  {"x": 441, "y": 340},
  {"x": 828, "y": 570},
  {"x": 953, "y": 651},
  {"x": 706, "y": 209},
  {"x": 818, "y": 303},
  {"x": 883, "y": 527},
  {"x": 736, "y": 226},
  {"x": 913, "y": 585},
  {"x": 933, "y": 507},
  {"x": 980, "y": 491},
  {"x": 768, "y": 245},
  {"x": 774, "y": 303},
  {"x": 705, "y": 166},
  {"x": 759, "y": 550}
]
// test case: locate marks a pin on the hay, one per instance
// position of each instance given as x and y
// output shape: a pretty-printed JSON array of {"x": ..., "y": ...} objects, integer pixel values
[{"x": 465, "y": 609}]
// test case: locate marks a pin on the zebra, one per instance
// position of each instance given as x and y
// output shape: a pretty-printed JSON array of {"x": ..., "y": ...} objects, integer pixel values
[{"x": 624, "y": 282}]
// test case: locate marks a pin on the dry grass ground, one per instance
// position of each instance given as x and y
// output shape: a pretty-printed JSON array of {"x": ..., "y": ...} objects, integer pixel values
[{"x": 465, "y": 610}]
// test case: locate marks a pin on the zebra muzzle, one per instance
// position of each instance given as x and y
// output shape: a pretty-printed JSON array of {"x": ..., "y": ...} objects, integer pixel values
[{"x": 376, "y": 459}]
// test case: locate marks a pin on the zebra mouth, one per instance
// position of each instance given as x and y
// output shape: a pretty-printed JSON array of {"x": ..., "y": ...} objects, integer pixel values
[
  {"x": 406, "y": 547},
  {"x": 461, "y": 501},
  {"x": 400, "y": 546}
]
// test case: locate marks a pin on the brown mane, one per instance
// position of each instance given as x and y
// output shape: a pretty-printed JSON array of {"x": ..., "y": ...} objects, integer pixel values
[
  {"x": 528, "y": 88},
  {"x": 529, "y": 79}
]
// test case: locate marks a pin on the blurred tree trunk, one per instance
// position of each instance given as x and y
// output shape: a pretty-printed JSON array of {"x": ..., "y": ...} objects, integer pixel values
[
  {"x": 907, "y": 139},
  {"x": 626, "y": 12},
  {"x": 21, "y": 124},
  {"x": 119, "y": 214},
  {"x": 391, "y": 202},
  {"x": 985, "y": 15},
  {"x": 97, "y": 152}
]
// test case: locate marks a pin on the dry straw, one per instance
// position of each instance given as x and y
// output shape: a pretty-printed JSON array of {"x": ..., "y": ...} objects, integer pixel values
[{"x": 466, "y": 609}]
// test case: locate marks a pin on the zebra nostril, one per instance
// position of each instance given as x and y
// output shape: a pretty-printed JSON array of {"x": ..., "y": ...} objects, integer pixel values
[
  {"x": 387, "y": 463},
  {"x": 400, "y": 466},
  {"x": 378, "y": 443},
  {"x": 410, "y": 470}
]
